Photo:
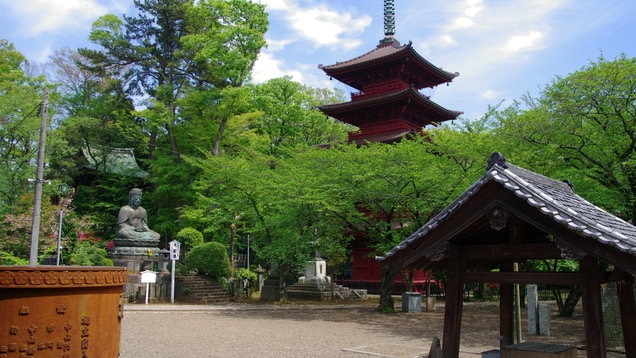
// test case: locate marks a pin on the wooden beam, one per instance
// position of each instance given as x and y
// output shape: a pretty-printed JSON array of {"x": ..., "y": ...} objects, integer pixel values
[
  {"x": 511, "y": 252},
  {"x": 592, "y": 308},
  {"x": 548, "y": 278}
]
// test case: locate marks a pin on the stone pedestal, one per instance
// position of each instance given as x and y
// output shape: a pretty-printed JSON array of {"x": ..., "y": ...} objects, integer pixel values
[
  {"x": 137, "y": 255},
  {"x": 60, "y": 311},
  {"x": 315, "y": 273}
]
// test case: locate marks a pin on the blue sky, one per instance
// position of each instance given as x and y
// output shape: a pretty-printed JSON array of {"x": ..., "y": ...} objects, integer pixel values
[{"x": 501, "y": 48}]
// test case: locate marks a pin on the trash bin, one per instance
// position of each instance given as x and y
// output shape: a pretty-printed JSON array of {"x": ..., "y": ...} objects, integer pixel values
[{"x": 411, "y": 302}]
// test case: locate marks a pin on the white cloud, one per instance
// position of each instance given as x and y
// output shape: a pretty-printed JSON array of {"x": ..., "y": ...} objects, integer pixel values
[
  {"x": 268, "y": 66},
  {"x": 54, "y": 15},
  {"x": 519, "y": 42},
  {"x": 326, "y": 27},
  {"x": 277, "y": 45},
  {"x": 473, "y": 8},
  {"x": 464, "y": 22},
  {"x": 274, "y": 5},
  {"x": 489, "y": 94},
  {"x": 321, "y": 24}
]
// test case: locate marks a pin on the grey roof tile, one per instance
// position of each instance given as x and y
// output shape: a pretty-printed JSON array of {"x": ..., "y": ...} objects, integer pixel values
[{"x": 555, "y": 199}]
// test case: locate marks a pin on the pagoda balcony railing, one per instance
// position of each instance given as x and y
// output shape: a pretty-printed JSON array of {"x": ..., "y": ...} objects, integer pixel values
[{"x": 380, "y": 91}]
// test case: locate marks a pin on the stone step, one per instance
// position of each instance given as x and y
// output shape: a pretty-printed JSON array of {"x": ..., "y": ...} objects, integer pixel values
[{"x": 200, "y": 289}]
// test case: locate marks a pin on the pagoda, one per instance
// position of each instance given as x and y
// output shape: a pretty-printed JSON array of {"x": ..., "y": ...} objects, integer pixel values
[
  {"x": 388, "y": 104},
  {"x": 387, "y": 107}
]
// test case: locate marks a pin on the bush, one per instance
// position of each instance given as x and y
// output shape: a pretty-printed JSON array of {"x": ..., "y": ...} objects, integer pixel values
[
  {"x": 190, "y": 237},
  {"x": 87, "y": 254},
  {"x": 210, "y": 258},
  {"x": 7, "y": 258},
  {"x": 241, "y": 283}
]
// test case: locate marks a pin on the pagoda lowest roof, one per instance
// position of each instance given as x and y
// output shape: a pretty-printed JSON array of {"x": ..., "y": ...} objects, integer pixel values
[{"x": 389, "y": 50}]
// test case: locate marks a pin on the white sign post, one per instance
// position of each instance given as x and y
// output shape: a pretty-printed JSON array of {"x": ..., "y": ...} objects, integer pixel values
[
  {"x": 148, "y": 277},
  {"x": 175, "y": 248}
]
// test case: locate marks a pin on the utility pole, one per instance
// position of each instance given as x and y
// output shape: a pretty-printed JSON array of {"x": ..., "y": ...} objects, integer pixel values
[{"x": 39, "y": 177}]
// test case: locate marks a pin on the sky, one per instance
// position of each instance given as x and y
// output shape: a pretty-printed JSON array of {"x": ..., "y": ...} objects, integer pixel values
[{"x": 502, "y": 49}]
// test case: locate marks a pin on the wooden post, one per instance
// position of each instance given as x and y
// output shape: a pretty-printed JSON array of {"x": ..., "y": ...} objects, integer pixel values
[
  {"x": 628, "y": 312},
  {"x": 592, "y": 308},
  {"x": 506, "y": 311},
  {"x": 454, "y": 306}
]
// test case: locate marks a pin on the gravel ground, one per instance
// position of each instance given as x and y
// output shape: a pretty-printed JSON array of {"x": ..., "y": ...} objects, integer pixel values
[{"x": 183, "y": 331}]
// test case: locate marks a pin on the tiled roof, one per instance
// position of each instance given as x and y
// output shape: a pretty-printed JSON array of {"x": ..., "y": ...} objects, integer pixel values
[
  {"x": 384, "y": 98},
  {"x": 385, "y": 52},
  {"x": 555, "y": 199}
]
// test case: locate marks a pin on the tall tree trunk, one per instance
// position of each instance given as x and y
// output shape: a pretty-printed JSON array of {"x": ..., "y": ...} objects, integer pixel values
[
  {"x": 570, "y": 301},
  {"x": 152, "y": 144},
  {"x": 219, "y": 137},
  {"x": 386, "y": 287}
]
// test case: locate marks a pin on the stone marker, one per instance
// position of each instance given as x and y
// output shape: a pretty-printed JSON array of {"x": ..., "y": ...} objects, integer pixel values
[
  {"x": 532, "y": 299},
  {"x": 544, "y": 319}
]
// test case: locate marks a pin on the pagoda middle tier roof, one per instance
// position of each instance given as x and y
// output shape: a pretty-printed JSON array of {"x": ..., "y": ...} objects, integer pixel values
[
  {"x": 424, "y": 110},
  {"x": 386, "y": 56}
]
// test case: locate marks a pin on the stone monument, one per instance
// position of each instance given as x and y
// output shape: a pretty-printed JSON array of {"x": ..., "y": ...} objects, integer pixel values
[
  {"x": 316, "y": 285},
  {"x": 135, "y": 245}
]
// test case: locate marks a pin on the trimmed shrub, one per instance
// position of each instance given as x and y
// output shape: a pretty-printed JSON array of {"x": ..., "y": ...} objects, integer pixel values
[
  {"x": 210, "y": 258},
  {"x": 87, "y": 254},
  {"x": 190, "y": 237}
]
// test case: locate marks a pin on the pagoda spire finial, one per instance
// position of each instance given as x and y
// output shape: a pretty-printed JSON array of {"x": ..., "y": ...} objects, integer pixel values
[
  {"x": 389, "y": 18},
  {"x": 389, "y": 25}
]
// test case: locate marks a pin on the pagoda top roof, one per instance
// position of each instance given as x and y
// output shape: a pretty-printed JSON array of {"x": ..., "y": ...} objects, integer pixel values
[
  {"x": 414, "y": 96},
  {"x": 389, "y": 50}
]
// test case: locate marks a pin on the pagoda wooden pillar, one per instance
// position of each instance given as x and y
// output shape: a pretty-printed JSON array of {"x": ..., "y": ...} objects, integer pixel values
[
  {"x": 592, "y": 308},
  {"x": 628, "y": 312},
  {"x": 453, "y": 307}
]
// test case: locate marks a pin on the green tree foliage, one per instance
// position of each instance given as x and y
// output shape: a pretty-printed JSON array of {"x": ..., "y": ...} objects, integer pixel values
[
  {"x": 316, "y": 199},
  {"x": 176, "y": 47},
  {"x": 20, "y": 98},
  {"x": 210, "y": 258},
  {"x": 583, "y": 126},
  {"x": 89, "y": 254},
  {"x": 223, "y": 39},
  {"x": 7, "y": 258},
  {"x": 190, "y": 237},
  {"x": 289, "y": 116},
  {"x": 16, "y": 227}
]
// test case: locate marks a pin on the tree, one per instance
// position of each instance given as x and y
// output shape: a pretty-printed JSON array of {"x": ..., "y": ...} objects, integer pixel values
[
  {"x": 585, "y": 123},
  {"x": 289, "y": 116},
  {"x": 20, "y": 98},
  {"x": 176, "y": 47}
]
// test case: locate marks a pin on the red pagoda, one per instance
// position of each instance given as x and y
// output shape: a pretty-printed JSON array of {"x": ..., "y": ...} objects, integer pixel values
[
  {"x": 387, "y": 108},
  {"x": 388, "y": 104}
]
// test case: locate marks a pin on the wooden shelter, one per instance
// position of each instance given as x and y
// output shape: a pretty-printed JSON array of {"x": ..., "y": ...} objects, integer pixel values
[{"x": 512, "y": 215}]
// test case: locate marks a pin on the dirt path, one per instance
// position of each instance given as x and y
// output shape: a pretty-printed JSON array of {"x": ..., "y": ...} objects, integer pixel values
[{"x": 313, "y": 331}]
